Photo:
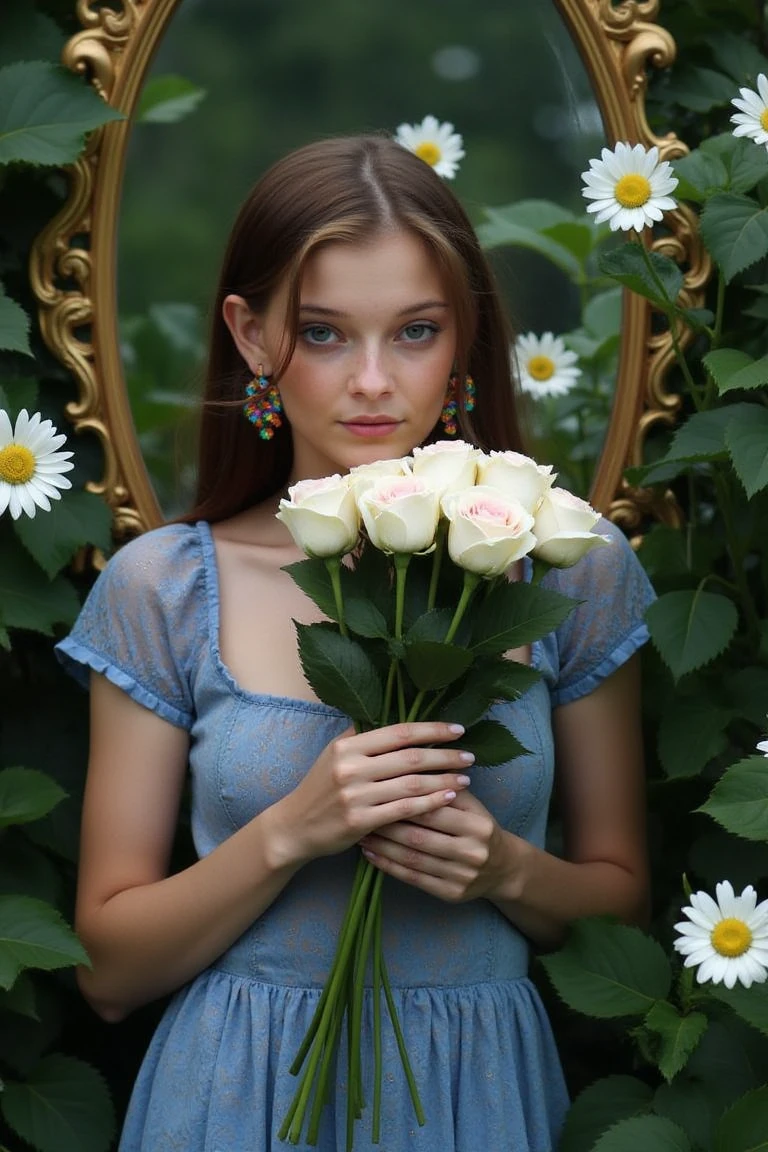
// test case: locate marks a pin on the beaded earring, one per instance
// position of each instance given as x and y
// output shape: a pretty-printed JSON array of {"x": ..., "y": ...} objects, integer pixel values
[
  {"x": 451, "y": 405},
  {"x": 263, "y": 407}
]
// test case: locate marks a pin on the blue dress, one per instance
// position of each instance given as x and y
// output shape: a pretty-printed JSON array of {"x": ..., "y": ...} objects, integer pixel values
[{"x": 215, "y": 1078}]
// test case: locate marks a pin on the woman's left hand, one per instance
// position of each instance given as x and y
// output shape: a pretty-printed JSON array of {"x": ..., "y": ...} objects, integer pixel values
[{"x": 457, "y": 853}]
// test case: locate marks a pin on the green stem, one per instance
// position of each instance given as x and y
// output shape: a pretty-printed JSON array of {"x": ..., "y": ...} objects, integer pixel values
[
  {"x": 388, "y": 692},
  {"x": 402, "y": 560},
  {"x": 358, "y": 992},
  {"x": 437, "y": 560},
  {"x": 377, "y": 1061},
  {"x": 414, "y": 1092},
  {"x": 670, "y": 312},
  {"x": 471, "y": 581},
  {"x": 333, "y": 564},
  {"x": 295, "y": 1119},
  {"x": 751, "y": 616}
]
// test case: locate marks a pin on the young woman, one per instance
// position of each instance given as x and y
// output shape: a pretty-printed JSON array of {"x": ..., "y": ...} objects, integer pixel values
[{"x": 353, "y": 290}]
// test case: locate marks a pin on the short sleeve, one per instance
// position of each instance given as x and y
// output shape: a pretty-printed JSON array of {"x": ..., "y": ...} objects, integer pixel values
[
  {"x": 608, "y": 625},
  {"x": 142, "y": 621}
]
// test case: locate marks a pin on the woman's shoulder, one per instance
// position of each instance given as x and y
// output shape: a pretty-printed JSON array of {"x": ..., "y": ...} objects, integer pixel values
[{"x": 173, "y": 552}]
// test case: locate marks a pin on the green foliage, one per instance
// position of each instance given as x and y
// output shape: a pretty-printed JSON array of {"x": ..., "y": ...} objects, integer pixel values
[
  {"x": 167, "y": 99},
  {"x": 640, "y": 1133},
  {"x": 600, "y": 1106},
  {"x": 63, "y": 1106},
  {"x": 739, "y": 800},
  {"x": 691, "y": 628},
  {"x": 45, "y": 114},
  {"x": 14, "y": 326}
]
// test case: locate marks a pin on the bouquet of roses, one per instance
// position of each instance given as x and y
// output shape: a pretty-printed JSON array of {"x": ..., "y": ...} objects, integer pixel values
[{"x": 420, "y": 615}]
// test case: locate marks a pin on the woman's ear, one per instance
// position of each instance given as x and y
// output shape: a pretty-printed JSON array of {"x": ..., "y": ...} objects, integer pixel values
[{"x": 247, "y": 329}]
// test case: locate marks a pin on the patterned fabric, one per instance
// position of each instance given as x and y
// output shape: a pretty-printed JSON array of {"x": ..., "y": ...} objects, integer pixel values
[{"x": 215, "y": 1078}]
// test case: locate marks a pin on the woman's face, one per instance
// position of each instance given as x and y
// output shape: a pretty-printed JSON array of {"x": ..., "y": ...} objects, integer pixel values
[{"x": 375, "y": 346}]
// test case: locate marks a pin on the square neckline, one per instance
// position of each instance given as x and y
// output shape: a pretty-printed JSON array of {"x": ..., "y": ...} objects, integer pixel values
[{"x": 210, "y": 569}]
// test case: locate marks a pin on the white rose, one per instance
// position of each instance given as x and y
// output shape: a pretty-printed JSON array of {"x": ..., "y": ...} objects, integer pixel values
[
  {"x": 488, "y": 531},
  {"x": 447, "y": 466},
  {"x": 362, "y": 476},
  {"x": 517, "y": 476},
  {"x": 400, "y": 514},
  {"x": 563, "y": 526},
  {"x": 322, "y": 516}
]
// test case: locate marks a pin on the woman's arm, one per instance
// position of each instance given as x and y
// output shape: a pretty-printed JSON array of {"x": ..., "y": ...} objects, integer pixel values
[
  {"x": 461, "y": 852},
  {"x": 148, "y": 933}
]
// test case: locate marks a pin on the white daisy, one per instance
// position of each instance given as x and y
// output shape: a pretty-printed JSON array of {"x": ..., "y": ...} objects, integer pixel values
[
  {"x": 31, "y": 470},
  {"x": 435, "y": 143},
  {"x": 728, "y": 940},
  {"x": 752, "y": 118},
  {"x": 546, "y": 367},
  {"x": 763, "y": 747},
  {"x": 629, "y": 187}
]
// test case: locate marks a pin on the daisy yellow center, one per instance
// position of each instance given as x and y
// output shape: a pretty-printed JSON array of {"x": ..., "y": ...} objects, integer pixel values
[
  {"x": 764, "y": 119},
  {"x": 731, "y": 937},
  {"x": 17, "y": 464},
  {"x": 541, "y": 367},
  {"x": 429, "y": 152},
  {"x": 632, "y": 190}
]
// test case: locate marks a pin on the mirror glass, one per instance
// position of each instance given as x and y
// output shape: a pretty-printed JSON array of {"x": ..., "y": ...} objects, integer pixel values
[{"x": 278, "y": 74}]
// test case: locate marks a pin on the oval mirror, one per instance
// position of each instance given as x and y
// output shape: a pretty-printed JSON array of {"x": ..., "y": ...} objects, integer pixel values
[{"x": 535, "y": 90}]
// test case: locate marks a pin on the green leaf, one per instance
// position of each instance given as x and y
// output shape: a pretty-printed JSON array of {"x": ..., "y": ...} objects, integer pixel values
[
  {"x": 314, "y": 579},
  {"x": 45, "y": 113},
  {"x": 690, "y": 628},
  {"x": 26, "y": 794},
  {"x": 577, "y": 236},
  {"x": 515, "y": 614},
  {"x": 701, "y": 89},
  {"x": 492, "y": 743},
  {"x": 656, "y": 277},
  {"x": 52, "y": 538},
  {"x": 700, "y": 175},
  {"x": 14, "y": 325},
  {"x": 602, "y": 315},
  {"x": 20, "y": 999},
  {"x": 28, "y": 599},
  {"x": 751, "y": 1004},
  {"x": 609, "y": 970},
  {"x": 643, "y": 1134},
  {"x": 34, "y": 935},
  {"x": 724, "y": 363},
  {"x": 168, "y": 99},
  {"x": 744, "y": 1127},
  {"x": 364, "y": 618},
  {"x": 340, "y": 672},
  {"x": 432, "y": 665},
  {"x": 521, "y": 225},
  {"x": 747, "y": 692},
  {"x": 489, "y": 679},
  {"x": 747, "y": 440},
  {"x": 600, "y": 1106},
  {"x": 432, "y": 625},
  {"x": 64, "y": 1106},
  {"x": 360, "y": 614},
  {"x": 690, "y": 735},
  {"x": 735, "y": 231},
  {"x": 678, "y": 1034},
  {"x": 739, "y": 800},
  {"x": 700, "y": 438},
  {"x": 17, "y": 393}
]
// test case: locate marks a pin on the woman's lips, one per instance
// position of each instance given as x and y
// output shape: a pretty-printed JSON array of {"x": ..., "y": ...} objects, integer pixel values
[{"x": 367, "y": 428}]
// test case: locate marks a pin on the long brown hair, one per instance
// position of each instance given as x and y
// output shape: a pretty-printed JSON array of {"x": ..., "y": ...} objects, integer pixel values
[{"x": 347, "y": 190}]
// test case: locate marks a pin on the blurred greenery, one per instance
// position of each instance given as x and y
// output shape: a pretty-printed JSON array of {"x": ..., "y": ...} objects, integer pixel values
[{"x": 279, "y": 74}]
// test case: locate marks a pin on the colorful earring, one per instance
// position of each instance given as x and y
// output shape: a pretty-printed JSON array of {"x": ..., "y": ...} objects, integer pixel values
[
  {"x": 263, "y": 407},
  {"x": 451, "y": 405}
]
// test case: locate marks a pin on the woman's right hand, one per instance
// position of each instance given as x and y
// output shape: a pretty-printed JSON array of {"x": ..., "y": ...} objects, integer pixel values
[{"x": 362, "y": 781}]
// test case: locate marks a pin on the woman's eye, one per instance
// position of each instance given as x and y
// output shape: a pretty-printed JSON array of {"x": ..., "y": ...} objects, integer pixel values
[
  {"x": 416, "y": 333},
  {"x": 318, "y": 334}
]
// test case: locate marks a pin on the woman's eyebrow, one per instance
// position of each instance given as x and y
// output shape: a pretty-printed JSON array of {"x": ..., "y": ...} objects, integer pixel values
[{"x": 421, "y": 306}]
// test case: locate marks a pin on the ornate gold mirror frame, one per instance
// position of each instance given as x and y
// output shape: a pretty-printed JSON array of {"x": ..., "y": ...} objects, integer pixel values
[{"x": 74, "y": 260}]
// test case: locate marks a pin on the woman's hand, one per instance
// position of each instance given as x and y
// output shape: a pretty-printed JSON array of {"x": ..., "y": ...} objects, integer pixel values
[
  {"x": 368, "y": 780},
  {"x": 456, "y": 853}
]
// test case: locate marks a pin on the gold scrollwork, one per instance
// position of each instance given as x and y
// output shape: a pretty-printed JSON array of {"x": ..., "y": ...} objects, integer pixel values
[{"x": 74, "y": 259}]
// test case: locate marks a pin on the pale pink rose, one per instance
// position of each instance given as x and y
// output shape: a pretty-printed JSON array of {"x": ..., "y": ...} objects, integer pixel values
[
  {"x": 563, "y": 528},
  {"x": 400, "y": 514},
  {"x": 488, "y": 532},
  {"x": 517, "y": 476},
  {"x": 447, "y": 465},
  {"x": 322, "y": 516}
]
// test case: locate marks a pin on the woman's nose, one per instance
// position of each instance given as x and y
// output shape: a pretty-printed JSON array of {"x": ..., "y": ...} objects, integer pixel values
[{"x": 371, "y": 374}]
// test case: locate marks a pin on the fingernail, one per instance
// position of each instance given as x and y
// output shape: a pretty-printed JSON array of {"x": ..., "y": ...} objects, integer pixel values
[
  {"x": 463, "y": 780},
  {"x": 457, "y": 728},
  {"x": 449, "y": 795},
  {"x": 467, "y": 757}
]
